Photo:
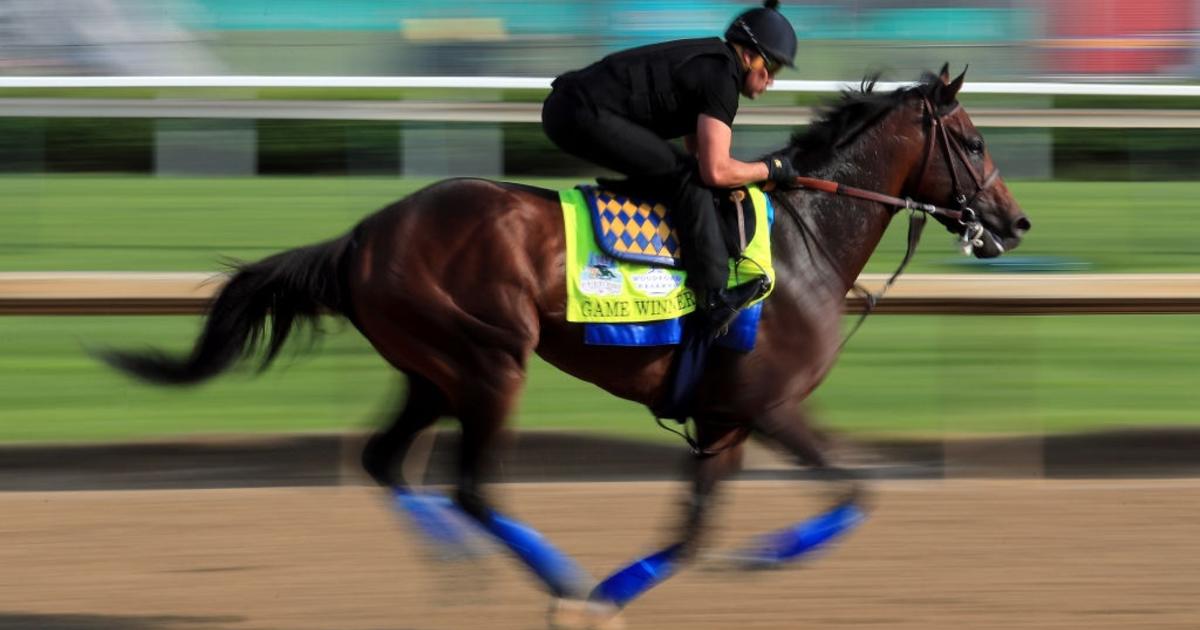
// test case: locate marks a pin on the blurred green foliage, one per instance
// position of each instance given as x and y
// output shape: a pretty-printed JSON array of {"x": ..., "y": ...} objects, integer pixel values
[
  {"x": 62, "y": 223},
  {"x": 902, "y": 375},
  {"x": 1126, "y": 154}
]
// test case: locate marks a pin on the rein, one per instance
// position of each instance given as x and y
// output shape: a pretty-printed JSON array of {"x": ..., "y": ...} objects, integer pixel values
[{"x": 834, "y": 188}]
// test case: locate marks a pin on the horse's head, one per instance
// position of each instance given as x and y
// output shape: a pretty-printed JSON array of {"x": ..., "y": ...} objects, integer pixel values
[{"x": 955, "y": 170}]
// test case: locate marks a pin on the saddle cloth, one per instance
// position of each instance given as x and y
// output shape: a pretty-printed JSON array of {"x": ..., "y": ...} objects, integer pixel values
[
  {"x": 633, "y": 294},
  {"x": 636, "y": 229}
]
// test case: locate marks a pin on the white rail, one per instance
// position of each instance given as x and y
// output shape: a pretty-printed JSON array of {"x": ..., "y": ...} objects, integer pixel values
[
  {"x": 542, "y": 83},
  {"x": 467, "y": 111}
]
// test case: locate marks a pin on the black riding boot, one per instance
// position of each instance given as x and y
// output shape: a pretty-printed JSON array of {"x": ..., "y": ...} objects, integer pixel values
[{"x": 715, "y": 311}]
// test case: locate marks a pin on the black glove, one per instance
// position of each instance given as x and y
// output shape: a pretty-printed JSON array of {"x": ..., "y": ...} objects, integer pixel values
[{"x": 780, "y": 170}]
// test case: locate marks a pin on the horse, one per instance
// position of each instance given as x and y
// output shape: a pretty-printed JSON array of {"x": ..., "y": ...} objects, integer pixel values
[{"x": 457, "y": 284}]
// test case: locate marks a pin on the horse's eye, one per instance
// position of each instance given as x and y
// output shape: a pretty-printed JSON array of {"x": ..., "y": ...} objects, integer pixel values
[{"x": 975, "y": 145}]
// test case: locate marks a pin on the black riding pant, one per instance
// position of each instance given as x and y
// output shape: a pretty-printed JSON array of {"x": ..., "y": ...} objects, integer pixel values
[{"x": 617, "y": 143}]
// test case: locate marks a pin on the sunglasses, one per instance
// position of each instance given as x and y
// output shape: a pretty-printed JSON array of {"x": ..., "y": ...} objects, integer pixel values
[{"x": 771, "y": 65}]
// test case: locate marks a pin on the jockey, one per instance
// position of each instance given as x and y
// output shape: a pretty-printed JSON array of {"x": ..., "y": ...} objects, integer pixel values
[{"x": 621, "y": 111}]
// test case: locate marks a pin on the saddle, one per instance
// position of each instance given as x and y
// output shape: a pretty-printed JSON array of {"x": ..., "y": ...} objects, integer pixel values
[{"x": 631, "y": 226}]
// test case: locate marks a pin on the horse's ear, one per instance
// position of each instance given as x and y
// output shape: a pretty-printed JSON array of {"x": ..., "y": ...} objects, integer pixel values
[
  {"x": 955, "y": 86},
  {"x": 944, "y": 75},
  {"x": 946, "y": 91}
]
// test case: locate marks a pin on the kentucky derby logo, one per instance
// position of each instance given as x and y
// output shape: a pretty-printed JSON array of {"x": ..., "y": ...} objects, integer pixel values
[
  {"x": 600, "y": 277},
  {"x": 656, "y": 282}
]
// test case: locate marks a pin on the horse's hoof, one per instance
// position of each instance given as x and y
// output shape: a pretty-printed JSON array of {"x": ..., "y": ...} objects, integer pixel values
[
  {"x": 605, "y": 616},
  {"x": 575, "y": 614},
  {"x": 568, "y": 614}
]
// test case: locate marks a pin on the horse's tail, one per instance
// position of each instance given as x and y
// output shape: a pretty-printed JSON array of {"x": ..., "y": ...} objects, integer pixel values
[{"x": 297, "y": 284}]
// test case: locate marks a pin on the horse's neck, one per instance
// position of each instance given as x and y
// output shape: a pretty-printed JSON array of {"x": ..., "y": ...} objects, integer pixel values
[{"x": 827, "y": 251}]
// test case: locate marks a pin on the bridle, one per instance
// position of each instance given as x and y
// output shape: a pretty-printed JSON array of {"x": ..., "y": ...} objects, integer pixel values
[
  {"x": 937, "y": 136},
  {"x": 963, "y": 216},
  {"x": 951, "y": 148}
]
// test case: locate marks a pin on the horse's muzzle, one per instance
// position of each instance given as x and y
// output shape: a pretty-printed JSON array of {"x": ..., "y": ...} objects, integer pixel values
[
  {"x": 988, "y": 245},
  {"x": 992, "y": 242}
]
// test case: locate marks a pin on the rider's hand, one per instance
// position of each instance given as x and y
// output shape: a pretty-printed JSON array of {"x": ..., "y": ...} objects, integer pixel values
[{"x": 780, "y": 170}]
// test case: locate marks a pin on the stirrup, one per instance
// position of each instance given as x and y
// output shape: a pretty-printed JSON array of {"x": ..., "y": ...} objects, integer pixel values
[{"x": 723, "y": 308}]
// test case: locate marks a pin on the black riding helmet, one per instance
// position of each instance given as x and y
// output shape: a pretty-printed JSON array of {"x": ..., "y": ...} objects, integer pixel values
[{"x": 767, "y": 31}]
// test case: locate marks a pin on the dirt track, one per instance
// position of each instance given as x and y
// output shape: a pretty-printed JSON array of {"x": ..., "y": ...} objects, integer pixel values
[{"x": 962, "y": 554}]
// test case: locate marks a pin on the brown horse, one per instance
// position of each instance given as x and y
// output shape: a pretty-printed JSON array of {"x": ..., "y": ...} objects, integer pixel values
[{"x": 457, "y": 284}]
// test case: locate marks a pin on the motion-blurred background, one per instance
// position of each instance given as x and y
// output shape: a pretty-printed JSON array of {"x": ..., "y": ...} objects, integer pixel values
[
  {"x": 1001, "y": 39},
  {"x": 135, "y": 177}
]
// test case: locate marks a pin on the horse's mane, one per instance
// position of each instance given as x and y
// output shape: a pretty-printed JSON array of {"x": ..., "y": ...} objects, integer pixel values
[{"x": 841, "y": 121}]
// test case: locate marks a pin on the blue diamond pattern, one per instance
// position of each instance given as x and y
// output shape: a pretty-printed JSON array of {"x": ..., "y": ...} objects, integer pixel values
[{"x": 632, "y": 244}]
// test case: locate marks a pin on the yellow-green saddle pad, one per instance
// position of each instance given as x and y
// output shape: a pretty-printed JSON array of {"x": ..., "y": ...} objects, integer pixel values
[{"x": 607, "y": 287}]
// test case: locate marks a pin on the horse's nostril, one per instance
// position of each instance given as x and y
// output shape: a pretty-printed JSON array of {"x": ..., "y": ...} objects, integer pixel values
[{"x": 1021, "y": 225}]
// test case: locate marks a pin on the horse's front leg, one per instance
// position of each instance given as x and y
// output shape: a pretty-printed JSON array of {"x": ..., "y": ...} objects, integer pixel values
[
  {"x": 715, "y": 460},
  {"x": 788, "y": 427},
  {"x": 719, "y": 454}
]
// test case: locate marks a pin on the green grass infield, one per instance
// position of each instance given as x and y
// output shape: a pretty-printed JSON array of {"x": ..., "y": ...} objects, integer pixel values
[{"x": 903, "y": 375}]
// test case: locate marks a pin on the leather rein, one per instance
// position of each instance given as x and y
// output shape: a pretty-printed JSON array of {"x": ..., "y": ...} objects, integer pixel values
[{"x": 964, "y": 215}]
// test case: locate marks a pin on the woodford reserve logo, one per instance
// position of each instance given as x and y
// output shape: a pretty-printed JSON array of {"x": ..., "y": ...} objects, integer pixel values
[{"x": 656, "y": 282}]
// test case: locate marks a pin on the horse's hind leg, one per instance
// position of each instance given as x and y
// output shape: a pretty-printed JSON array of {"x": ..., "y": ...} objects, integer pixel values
[
  {"x": 385, "y": 449},
  {"x": 483, "y": 405},
  {"x": 482, "y": 410}
]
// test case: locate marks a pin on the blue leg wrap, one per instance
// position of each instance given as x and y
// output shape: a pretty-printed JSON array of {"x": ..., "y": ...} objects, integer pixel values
[
  {"x": 628, "y": 583},
  {"x": 437, "y": 518},
  {"x": 793, "y": 542},
  {"x": 557, "y": 571}
]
